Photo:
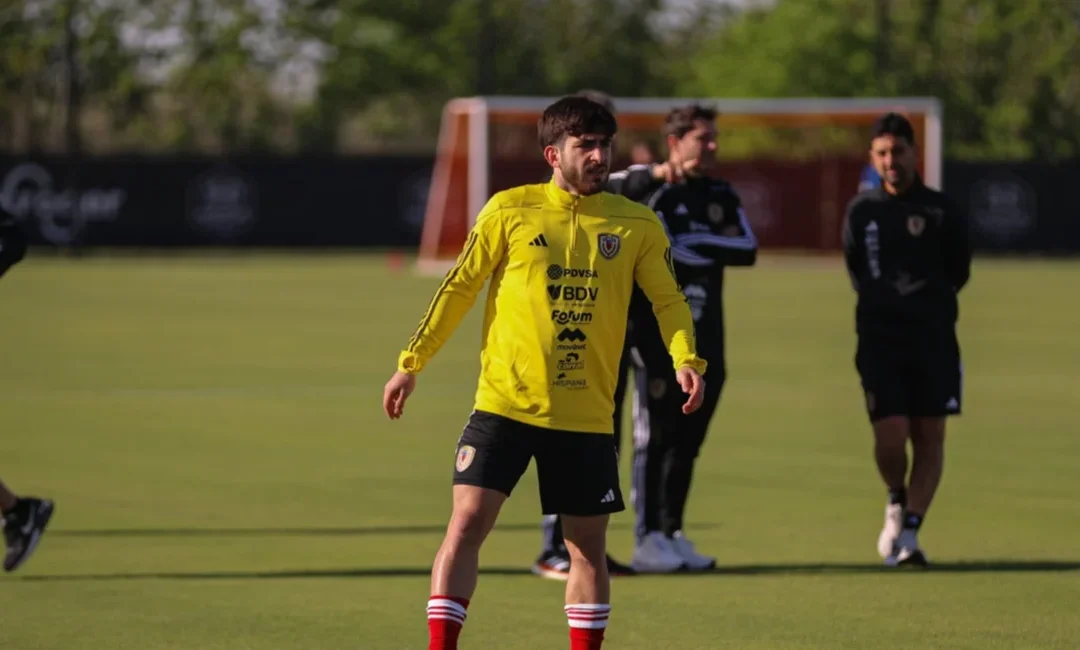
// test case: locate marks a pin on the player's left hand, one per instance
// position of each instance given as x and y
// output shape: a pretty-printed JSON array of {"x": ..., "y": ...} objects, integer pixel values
[
  {"x": 692, "y": 384},
  {"x": 397, "y": 390}
]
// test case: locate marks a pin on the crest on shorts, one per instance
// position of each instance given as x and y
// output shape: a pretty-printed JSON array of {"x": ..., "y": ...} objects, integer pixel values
[
  {"x": 716, "y": 212},
  {"x": 465, "y": 456},
  {"x": 916, "y": 224},
  {"x": 657, "y": 388},
  {"x": 609, "y": 244},
  {"x": 871, "y": 402}
]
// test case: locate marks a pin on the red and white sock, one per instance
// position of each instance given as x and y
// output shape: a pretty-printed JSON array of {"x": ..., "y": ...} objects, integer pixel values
[
  {"x": 587, "y": 625},
  {"x": 445, "y": 616}
]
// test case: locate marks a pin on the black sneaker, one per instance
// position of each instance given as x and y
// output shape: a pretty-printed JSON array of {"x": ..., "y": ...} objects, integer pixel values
[
  {"x": 23, "y": 528},
  {"x": 554, "y": 565}
]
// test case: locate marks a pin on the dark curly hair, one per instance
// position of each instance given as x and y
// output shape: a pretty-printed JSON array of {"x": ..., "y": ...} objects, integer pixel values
[
  {"x": 893, "y": 124},
  {"x": 574, "y": 116},
  {"x": 680, "y": 121}
]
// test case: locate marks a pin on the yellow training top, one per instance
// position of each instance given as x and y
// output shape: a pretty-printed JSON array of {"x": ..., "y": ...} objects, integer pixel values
[{"x": 562, "y": 270}]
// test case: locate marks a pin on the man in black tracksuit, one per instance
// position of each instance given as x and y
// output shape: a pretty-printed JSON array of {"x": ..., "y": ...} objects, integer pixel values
[
  {"x": 708, "y": 231},
  {"x": 908, "y": 254}
]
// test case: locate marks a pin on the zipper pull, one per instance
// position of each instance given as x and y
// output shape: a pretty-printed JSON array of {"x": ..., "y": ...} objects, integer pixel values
[{"x": 573, "y": 224}]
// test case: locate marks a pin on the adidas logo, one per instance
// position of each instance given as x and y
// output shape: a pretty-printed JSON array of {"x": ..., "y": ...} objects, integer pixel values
[
  {"x": 609, "y": 497},
  {"x": 539, "y": 241},
  {"x": 952, "y": 404}
]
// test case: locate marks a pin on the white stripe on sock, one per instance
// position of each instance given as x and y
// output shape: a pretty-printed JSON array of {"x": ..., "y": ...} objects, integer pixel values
[
  {"x": 441, "y": 608},
  {"x": 588, "y": 616}
]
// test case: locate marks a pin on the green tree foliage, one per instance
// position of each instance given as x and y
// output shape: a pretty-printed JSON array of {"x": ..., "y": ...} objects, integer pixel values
[
  {"x": 29, "y": 54},
  {"x": 1008, "y": 72},
  {"x": 217, "y": 91},
  {"x": 343, "y": 75},
  {"x": 35, "y": 66},
  {"x": 399, "y": 62}
]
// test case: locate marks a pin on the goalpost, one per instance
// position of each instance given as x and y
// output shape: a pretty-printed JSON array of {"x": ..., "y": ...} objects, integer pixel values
[{"x": 772, "y": 150}]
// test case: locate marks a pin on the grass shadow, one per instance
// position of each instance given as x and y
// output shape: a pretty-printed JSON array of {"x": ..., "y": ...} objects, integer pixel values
[
  {"x": 826, "y": 568},
  {"x": 309, "y": 531},
  {"x": 986, "y": 566}
]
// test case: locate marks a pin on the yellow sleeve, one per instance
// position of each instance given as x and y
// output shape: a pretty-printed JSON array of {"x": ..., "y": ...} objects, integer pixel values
[
  {"x": 655, "y": 274},
  {"x": 483, "y": 251}
]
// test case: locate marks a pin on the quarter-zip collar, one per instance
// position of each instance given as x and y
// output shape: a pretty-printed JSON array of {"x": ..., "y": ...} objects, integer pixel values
[
  {"x": 564, "y": 199},
  {"x": 574, "y": 204}
]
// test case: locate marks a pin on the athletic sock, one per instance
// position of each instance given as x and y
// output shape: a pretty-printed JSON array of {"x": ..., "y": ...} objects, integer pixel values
[
  {"x": 445, "y": 617},
  {"x": 587, "y": 625},
  {"x": 912, "y": 521},
  {"x": 898, "y": 496}
]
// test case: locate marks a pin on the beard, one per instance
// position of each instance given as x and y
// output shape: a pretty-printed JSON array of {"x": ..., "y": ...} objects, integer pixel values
[
  {"x": 896, "y": 176},
  {"x": 589, "y": 180}
]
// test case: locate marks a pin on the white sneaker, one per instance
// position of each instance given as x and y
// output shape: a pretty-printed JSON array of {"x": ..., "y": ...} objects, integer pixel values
[
  {"x": 907, "y": 550},
  {"x": 894, "y": 514},
  {"x": 656, "y": 554},
  {"x": 694, "y": 561}
]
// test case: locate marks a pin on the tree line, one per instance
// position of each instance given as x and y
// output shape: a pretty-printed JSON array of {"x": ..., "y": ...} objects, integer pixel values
[{"x": 338, "y": 76}]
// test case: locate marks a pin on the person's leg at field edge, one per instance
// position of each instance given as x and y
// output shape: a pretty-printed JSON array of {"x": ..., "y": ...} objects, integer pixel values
[
  {"x": 588, "y": 590},
  {"x": 933, "y": 382},
  {"x": 456, "y": 566},
  {"x": 927, "y": 464},
  {"x": 937, "y": 389},
  {"x": 24, "y": 520},
  {"x": 891, "y": 434},
  {"x": 885, "y": 372}
]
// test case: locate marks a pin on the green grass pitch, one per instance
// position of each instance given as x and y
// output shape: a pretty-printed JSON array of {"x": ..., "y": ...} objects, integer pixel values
[{"x": 225, "y": 479}]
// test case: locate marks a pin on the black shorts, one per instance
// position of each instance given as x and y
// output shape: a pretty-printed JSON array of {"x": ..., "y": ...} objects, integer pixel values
[
  {"x": 578, "y": 473},
  {"x": 922, "y": 378}
]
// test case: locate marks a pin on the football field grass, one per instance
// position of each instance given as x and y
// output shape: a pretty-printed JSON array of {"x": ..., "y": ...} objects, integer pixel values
[{"x": 211, "y": 430}]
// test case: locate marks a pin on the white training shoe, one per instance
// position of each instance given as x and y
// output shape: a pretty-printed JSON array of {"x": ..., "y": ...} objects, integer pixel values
[
  {"x": 693, "y": 560},
  {"x": 907, "y": 550},
  {"x": 656, "y": 554},
  {"x": 894, "y": 514}
]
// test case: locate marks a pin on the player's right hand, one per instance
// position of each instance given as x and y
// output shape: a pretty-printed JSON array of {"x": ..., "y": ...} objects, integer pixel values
[
  {"x": 397, "y": 390},
  {"x": 692, "y": 384}
]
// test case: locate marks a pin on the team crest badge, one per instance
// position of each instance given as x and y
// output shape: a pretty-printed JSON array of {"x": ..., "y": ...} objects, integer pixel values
[
  {"x": 465, "y": 456},
  {"x": 716, "y": 212},
  {"x": 915, "y": 225},
  {"x": 609, "y": 244}
]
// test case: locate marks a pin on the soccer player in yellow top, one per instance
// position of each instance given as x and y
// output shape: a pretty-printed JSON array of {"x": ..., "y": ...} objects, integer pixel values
[{"x": 562, "y": 258}]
